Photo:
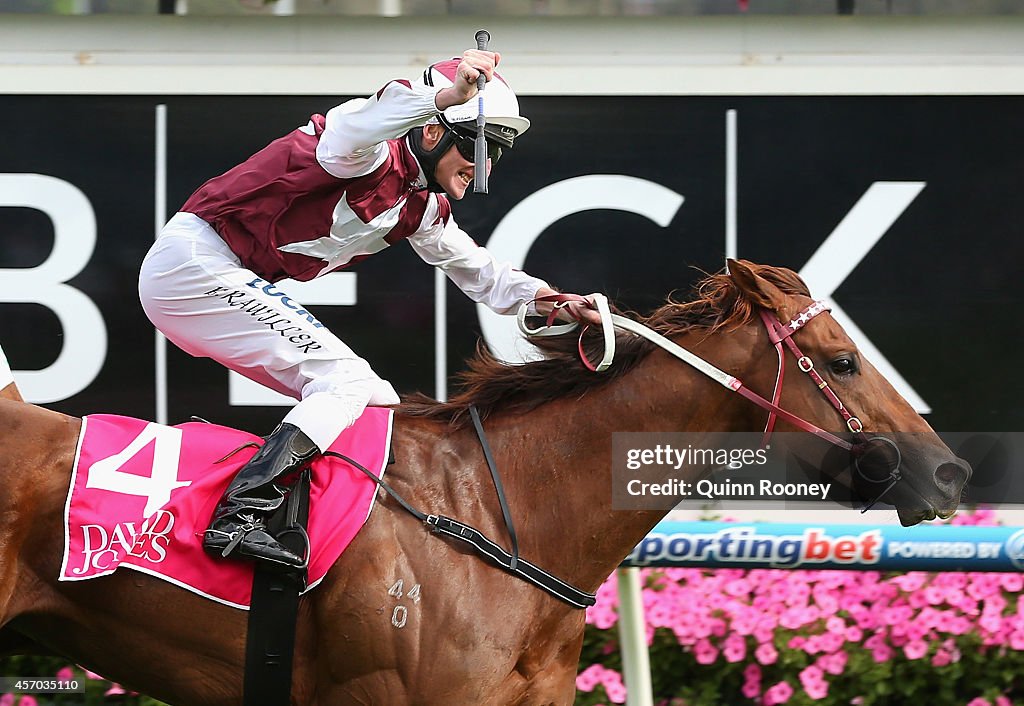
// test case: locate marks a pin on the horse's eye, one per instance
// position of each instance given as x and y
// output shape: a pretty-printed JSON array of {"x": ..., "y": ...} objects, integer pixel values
[{"x": 845, "y": 365}]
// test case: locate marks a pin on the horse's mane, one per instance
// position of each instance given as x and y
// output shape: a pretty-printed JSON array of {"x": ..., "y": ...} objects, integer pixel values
[{"x": 493, "y": 385}]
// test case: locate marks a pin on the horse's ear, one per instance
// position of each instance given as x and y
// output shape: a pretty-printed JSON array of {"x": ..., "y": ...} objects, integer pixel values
[{"x": 754, "y": 286}]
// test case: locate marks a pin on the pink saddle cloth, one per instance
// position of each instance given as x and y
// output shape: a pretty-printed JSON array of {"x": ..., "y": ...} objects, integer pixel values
[{"x": 142, "y": 494}]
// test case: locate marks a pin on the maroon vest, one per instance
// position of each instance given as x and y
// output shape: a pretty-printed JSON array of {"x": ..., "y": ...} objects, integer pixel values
[{"x": 282, "y": 195}]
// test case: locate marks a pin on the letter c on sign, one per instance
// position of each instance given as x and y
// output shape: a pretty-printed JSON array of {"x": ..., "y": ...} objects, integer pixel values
[{"x": 519, "y": 229}]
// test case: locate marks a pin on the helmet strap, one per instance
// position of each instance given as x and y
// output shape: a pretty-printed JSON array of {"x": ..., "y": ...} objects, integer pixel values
[{"x": 428, "y": 159}]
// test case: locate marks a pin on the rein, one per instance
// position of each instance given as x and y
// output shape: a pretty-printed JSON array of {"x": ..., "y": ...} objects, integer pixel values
[{"x": 778, "y": 333}]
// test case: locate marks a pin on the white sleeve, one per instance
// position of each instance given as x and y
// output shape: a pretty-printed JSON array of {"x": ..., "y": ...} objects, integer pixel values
[
  {"x": 353, "y": 141},
  {"x": 471, "y": 267},
  {"x": 6, "y": 376}
]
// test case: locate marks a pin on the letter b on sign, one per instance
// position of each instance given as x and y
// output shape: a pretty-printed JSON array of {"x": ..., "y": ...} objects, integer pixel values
[{"x": 74, "y": 239}]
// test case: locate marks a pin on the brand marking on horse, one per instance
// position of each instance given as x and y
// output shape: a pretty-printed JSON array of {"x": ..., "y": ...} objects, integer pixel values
[{"x": 400, "y": 615}]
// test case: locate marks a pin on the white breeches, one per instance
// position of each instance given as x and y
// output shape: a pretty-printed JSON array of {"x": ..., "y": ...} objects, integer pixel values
[{"x": 195, "y": 291}]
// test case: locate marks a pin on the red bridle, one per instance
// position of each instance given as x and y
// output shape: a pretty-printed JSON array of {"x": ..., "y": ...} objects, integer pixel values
[{"x": 782, "y": 334}]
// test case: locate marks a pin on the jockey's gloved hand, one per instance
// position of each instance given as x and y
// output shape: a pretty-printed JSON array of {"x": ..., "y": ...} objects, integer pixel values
[
  {"x": 474, "y": 62},
  {"x": 582, "y": 311}
]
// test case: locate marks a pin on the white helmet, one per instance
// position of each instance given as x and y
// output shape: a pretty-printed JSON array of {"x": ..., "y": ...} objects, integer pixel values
[{"x": 501, "y": 107}]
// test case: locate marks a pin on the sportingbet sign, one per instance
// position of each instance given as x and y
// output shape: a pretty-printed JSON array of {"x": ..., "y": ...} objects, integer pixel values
[{"x": 885, "y": 548}]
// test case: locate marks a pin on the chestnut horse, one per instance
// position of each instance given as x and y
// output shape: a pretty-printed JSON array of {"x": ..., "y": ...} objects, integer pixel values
[{"x": 470, "y": 633}]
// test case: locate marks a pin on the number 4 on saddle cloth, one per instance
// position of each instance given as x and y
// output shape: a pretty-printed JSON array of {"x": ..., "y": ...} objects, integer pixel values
[{"x": 142, "y": 495}]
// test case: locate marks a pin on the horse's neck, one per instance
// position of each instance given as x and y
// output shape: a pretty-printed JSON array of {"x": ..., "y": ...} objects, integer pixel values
[{"x": 563, "y": 451}]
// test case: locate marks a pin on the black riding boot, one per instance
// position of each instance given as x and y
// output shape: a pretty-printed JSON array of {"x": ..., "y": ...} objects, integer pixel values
[{"x": 239, "y": 522}]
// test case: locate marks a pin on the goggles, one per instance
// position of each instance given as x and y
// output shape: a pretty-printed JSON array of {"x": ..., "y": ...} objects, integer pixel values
[{"x": 467, "y": 147}]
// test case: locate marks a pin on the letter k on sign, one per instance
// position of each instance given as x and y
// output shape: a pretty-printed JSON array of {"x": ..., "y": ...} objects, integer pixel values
[{"x": 842, "y": 251}]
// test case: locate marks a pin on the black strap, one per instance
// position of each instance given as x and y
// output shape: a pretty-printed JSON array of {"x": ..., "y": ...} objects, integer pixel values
[
  {"x": 270, "y": 641},
  {"x": 514, "y": 557},
  {"x": 523, "y": 569},
  {"x": 439, "y": 524}
]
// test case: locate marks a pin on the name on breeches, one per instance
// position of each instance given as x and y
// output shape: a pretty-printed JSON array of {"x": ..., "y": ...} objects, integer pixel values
[{"x": 268, "y": 316}]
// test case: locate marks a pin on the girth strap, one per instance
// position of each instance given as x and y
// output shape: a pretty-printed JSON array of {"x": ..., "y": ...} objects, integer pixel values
[
  {"x": 522, "y": 568},
  {"x": 270, "y": 638}
]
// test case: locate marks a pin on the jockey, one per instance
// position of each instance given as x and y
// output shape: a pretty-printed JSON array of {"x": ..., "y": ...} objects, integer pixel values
[{"x": 344, "y": 186}]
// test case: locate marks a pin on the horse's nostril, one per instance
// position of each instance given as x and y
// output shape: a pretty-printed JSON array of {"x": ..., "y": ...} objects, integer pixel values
[{"x": 951, "y": 474}]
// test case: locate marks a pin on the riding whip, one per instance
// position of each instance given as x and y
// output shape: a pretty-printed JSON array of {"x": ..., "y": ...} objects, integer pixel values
[{"x": 480, "y": 146}]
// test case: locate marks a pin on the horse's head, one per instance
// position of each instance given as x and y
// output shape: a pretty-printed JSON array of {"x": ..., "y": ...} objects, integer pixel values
[{"x": 894, "y": 438}]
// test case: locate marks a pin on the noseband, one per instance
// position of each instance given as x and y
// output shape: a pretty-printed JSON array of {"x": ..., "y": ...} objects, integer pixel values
[{"x": 780, "y": 335}]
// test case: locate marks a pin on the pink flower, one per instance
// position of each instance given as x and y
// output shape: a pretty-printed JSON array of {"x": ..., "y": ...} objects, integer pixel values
[
  {"x": 7, "y": 700},
  {"x": 831, "y": 642},
  {"x": 1013, "y": 583},
  {"x": 705, "y": 652},
  {"x": 915, "y": 649},
  {"x": 612, "y": 683},
  {"x": 834, "y": 663},
  {"x": 1003, "y": 701},
  {"x": 983, "y": 586},
  {"x": 817, "y": 691},
  {"x": 916, "y": 631},
  {"x": 735, "y": 648},
  {"x": 702, "y": 628},
  {"x": 876, "y": 639},
  {"x": 990, "y": 622},
  {"x": 882, "y": 653},
  {"x": 616, "y": 693},
  {"x": 835, "y": 624},
  {"x": 27, "y": 700},
  {"x": 778, "y": 694},
  {"x": 811, "y": 675},
  {"x": 813, "y": 645},
  {"x": 978, "y": 701},
  {"x": 601, "y": 616},
  {"x": 959, "y": 625},
  {"x": 737, "y": 588},
  {"x": 589, "y": 678},
  {"x": 933, "y": 594},
  {"x": 65, "y": 673},
  {"x": 766, "y": 653},
  {"x": 751, "y": 681},
  {"x": 751, "y": 689},
  {"x": 941, "y": 658}
]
